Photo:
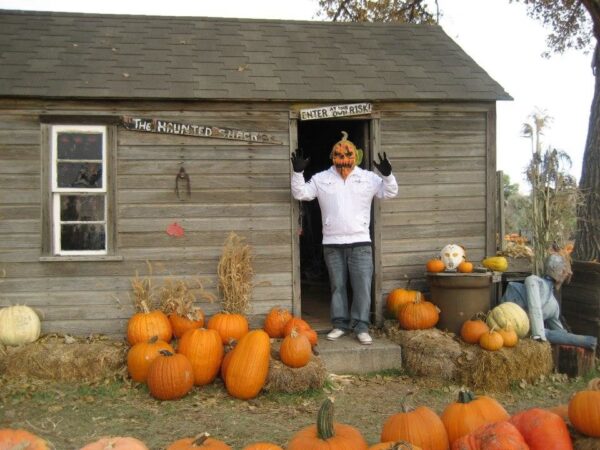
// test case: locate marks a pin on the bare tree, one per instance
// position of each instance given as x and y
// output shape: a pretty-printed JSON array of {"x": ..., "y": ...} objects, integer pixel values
[{"x": 407, "y": 11}]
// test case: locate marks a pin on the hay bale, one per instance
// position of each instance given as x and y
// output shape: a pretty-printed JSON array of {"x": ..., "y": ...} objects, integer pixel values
[
  {"x": 66, "y": 359},
  {"x": 438, "y": 354},
  {"x": 581, "y": 442},
  {"x": 286, "y": 379}
]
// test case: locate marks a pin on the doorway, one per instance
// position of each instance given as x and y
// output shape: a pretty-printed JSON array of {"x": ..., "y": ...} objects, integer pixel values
[{"x": 316, "y": 139}]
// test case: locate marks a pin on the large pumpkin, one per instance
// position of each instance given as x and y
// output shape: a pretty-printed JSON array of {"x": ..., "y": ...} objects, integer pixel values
[
  {"x": 584, "y": 412},
  {"x": 472, "y": 329},
  {"x": 116, "y": 443},
  {"x": 182, "y": 323},
  {"x": 421, "y": 426},
  {"x": 204, "y": 349},
  {"x": 509, "y": 315},
  {"x": 21, "y": 439},
  {"x": 275, "y": 321},
  {"x": 418, "y": 315},
  {"x": 469, "y": 413},
  {"x": 230, "y": 326},
  {"x": 399, "y": 297},
  {"x": 327, "y": 434},
  {"x": 248, "y": 366},
  {"x": 170, "y": 376},
  {"x": 141, "y": 355},
  {"x": 19, "y": 324},
  {"x": 295, "y": 350},
  {"x": 200, "y": 442},
  {"x": 145, "y": 324},
  {"x": 493, "y": 436},
  {"x": 542, "y": 429}
]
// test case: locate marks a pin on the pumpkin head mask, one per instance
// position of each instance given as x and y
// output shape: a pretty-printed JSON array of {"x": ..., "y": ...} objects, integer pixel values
[{"x": 345, "y": 156}]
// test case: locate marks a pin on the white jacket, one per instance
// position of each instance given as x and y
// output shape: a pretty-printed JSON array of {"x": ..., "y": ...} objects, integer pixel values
[{"x": 345, "y": 204}]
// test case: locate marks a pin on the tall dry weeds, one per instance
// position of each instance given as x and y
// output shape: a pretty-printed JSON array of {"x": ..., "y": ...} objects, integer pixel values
[{"x": 235, "y": 274}]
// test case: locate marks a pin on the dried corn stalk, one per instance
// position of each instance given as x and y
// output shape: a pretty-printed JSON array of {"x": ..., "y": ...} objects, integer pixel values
[
  {"x": 177, "y": 296},
  {"x": 235, "y": 275},
  {"x": 144, "y": 292}
]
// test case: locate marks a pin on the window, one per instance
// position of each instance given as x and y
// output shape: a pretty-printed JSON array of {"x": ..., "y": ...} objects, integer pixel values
[{"x": 79, "y": 214}]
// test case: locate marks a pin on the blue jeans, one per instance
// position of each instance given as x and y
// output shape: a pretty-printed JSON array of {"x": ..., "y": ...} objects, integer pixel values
[{"x": 355, "y": 264}]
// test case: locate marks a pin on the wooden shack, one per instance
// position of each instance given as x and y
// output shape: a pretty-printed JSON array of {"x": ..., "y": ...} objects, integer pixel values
[{"x": 115, "y": 127}]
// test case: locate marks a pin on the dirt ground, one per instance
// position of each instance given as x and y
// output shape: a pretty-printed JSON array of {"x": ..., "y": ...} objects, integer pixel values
[{"x": 71, "y": 415}]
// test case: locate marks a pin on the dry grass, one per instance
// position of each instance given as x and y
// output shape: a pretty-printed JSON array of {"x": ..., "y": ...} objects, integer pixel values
[
  {"x": 235, "y": 274},
  {"x": 178, "y": 296},
  {"x": 289, "y": 380}
]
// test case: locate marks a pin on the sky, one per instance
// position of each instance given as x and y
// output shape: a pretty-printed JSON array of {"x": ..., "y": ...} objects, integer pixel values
[{"x": 498, "y": 35}]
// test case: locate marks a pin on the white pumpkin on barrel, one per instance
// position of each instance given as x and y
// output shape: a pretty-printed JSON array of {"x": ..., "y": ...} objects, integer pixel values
[
  {"x": 452, "y": 255},
  {"x": 19, "y": 324}
]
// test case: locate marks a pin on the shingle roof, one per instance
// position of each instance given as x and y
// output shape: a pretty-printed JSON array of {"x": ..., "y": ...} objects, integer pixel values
[{"x": 68, "y": 55}]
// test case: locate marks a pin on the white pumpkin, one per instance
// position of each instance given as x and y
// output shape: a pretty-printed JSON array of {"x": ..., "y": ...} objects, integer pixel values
[
  {"x": 19, "y": 324},
  {"x": 509, "y": 315},
  {"x": 452, "y": 255}
]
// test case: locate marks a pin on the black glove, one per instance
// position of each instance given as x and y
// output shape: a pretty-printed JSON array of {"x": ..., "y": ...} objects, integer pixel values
[
  {"x": 298, "y": 161},
  {"x": 384, "y": 166}
]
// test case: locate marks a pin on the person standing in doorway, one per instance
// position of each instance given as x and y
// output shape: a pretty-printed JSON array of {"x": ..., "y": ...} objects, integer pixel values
[{"x": 345, "y": 193}]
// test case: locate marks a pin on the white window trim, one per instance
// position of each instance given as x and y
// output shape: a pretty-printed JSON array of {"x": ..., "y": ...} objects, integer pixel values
[{"x": 57, "y": 191}]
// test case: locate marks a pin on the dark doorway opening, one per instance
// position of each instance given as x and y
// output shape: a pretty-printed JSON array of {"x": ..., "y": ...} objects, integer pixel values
[{"x": 316, "y": 139}]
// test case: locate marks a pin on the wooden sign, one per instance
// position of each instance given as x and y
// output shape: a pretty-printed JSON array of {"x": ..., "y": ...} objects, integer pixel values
[
  {"x": 196, "y": 130},
  {"x": 328, "y": 112}
]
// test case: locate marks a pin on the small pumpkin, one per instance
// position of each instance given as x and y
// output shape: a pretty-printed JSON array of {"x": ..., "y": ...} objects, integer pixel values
[
  {"x": 469, "y": 413},
  {"x": 311, "y": 335},
  {"x": 509, "y": 315},
  {"x": 182, "y": 323},
  {"x": 584, "y": 412},
  {"x": 145, "y": 324},
  {"x": 262, "y": 446},
  {"x": 16, "y": 438},
  {"x": 472, "y": 329},
  {"x": 327, "y": 434},
  {"x": 493, "y": 436},
  {"x": 399, "y": 297},
  {"x": 229, "y": 326},
  {"x": 295, "y": 350},
  {"x": 170, "y": 376},
  {"x": 509, "y": 337},
  {"x": 542, "y": 429},
  {"x": 141, "y": 355},
  {"x": 297, "y": 323},
  {"x": 275, "y": 321},
  {"x": 116, "y": 443},
  {"x": 202, "y": 441},
  {"x": 19, "y": 324},
  {"x": 496, "y": 263},
  {"x": 418, "y": 315},
  {"x": 492, "y": 340},
  {"x": 248, "y": 366},
  {"x": 465, "y": 267},
  {"x": 204, "y": 349},
  {"x": 420, "y": 426},
  {"x": 435, "y": 265}
]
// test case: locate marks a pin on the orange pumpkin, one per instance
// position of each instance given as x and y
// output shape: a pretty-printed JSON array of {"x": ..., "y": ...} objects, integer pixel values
[
  {"x": 327, "y": 434},
  {"x": 465, "y": 267},
  {"x": 141, "y": 355},
  {"x": 230, "y": 326},
  {"x": 472, "y": 329},
  {"x": 311, "y": 335},
  {"x": 399, "y": 297},
  {"x": 262, "y": 446},
  {"x": 584, "y": 412},
  {"x": 295, "y": 350},
  {"x": 204, "y": 349},
  {"x": 297, "y": 323},
  {"x": 116, "y": 443},
  {"x": 181, "y": 324},
  {"x": 492, "y": 341},
  {"x": 275, "y": 321},
  {"x": 542, "y": 429},
  {"x": 398, "y": 445},
  {"x": 469, "y": 413},
  {"x": 509, "y": 337},
  {"x": 21, "y": 439},
  {"x": 418, "y": 315},
  {"x": 143, "y": 325},
  {"x": 201, "y": 442},
  {"x": 435, "y": 265},
  {"x": 170, "y": 376},
  {"x": 420, "y": 426},
  {"x": 249, "y": 365},
  {"x": 493, "y": 436}
]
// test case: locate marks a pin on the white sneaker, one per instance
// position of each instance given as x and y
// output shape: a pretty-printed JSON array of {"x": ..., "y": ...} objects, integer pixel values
[
  {"x": 335, "y": 334},
  {"x": 364, "y": 338}
]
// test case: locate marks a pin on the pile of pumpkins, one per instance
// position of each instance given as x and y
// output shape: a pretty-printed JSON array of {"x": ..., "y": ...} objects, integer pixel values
[
  {"x": 200, "y": 354},
  {"x": 469, "y": 423},
  {"x": 411, "y": 309}
]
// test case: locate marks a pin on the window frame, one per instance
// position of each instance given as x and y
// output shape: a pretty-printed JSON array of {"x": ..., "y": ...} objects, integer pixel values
[{"x": 51, "y": 220}]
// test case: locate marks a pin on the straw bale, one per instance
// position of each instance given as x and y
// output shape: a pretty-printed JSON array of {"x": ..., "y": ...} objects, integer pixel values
[
  {"x": 437, "y": 354},
  {"x": 66, "y": 359},
  {"x": 286, "y": 379},
  {"x": 581, "y": 442}
]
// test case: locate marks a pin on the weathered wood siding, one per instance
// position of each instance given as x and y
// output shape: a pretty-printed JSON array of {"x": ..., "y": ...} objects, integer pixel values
[
  {"x": 236, "y": 186},
  {"x": 443, "y": 157}
]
